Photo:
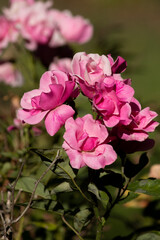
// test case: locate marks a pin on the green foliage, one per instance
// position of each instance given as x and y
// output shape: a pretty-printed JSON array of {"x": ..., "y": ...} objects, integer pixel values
[
  {"x": 149, "y": 236},
  {"x": 48, "y": 205},
  {"x": 82, "y": 218},
  {"x": 146, "y": 186},
  {"x": 27, "y": 184},
  {"x": 130, "y": 196},
  {"x": 62, "y": 187}
]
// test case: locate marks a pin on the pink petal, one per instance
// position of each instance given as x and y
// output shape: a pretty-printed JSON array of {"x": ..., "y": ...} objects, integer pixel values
[
  {"x": 31, "y": 117},
  {"x": 75, "y": 157},
  {"x": 94, "y": 128},
  {"x": 57, "y": 117},
  {"x": 119, "y": 65},
  {"x": 26, "y": 99},
  {"x": 51, "y": 99},
  {"x": 75, "y": 65},
  {"x": 124, "y": 92},
  {"x": 71, "y": 136},
  {"x": 69, "y": 87},
  {"x": 103, "y": 155},
  {"x": 111, "y": 121},
  {"x": 45, "y": 81}
]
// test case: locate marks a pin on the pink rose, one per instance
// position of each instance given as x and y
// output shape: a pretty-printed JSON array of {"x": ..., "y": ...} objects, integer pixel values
[
  {"x": 36, "y": 25},
  {"x": 141, "y": 123},
  {"x": 72, "y": 29},
  {"x": 85, "y": 143},
  {"x": 7, "y": 32},
  {"x": 27, "y": 1},
  {"x": 94, "y": 71},
  {"x": 9, "y": 75},
  {"x": 47, "y": 102},
  {"x": 112, "y": 103},
  {"x": 63, "y": 64}
]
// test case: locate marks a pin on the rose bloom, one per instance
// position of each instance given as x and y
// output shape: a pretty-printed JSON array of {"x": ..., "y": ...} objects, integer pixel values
[
  {"x": 85, "y": 143},
  {"x": 7, "y": 33},
  {"x": 63, "y": 64},
  {"x": 93, "y": 70},
  {"x": 112, "y": 103},
  {"x": 37, "y": 28},
  {"x": 28, "y": 1},
  {"x": 16, "y": 11},
  {"x": 9, "y": 75},
  {"x": 56, "y": 87},
  {"x": 141, "y": 123},
  {"x": 72, "y": 28}
]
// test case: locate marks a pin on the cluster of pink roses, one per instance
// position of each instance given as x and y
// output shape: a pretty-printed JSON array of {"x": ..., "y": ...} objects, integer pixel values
[
  {"x": 38, "y": 23},
  {"x": 119, "y": 114}
]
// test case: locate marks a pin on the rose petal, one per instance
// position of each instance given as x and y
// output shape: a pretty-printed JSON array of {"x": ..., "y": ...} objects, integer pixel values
[{"x": 56, "y": 118}]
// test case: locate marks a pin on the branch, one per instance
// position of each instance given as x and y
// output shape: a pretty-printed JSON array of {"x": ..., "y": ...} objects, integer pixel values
[
  {"x": 34, "y": 190},
  {"x": 67, "y": 223}
]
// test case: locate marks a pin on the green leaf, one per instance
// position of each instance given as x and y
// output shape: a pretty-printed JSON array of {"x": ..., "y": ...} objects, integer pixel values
[
  {"x": 27, "y": 184},
  {"x": 48, "y": 205},
  {"x": 48, "y": 225},
  {"x": 63, "y": 187},
  {"x": 6, "y": 167},
  {"x": 149, "y": 236},
  {"x": 64, "y": 170},
  {"x": 93, "y": 189},
  {"x": 146, "y": 186},
  {"x": 131, "y": 169},
  {"x": 129, "y": 197},
  {"x": 61, "y": 167},
  {"x": 82, "y": 218},
  {"x": 104, "y": 198}
]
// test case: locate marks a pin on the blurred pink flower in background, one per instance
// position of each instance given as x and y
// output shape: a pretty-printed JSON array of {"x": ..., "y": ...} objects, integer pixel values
[
  {"x": 85, "y": 143},
  {"x": 72, "y": 28},
  {"x": 27, "y": 1},
  {"x": 10, "y": 75},
  {"x": 8, "y": 33},
  {"x": 63, "y": 64},
  {"x": 39, "y": 24},
  {"x": 56, "y": 87},
  {"x": 36, "y": 24}
]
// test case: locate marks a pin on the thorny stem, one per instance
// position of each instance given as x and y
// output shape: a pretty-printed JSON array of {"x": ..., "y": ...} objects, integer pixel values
[
  {"x": 67, "y": 223},
  {"x": 35, "y": 187}
]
